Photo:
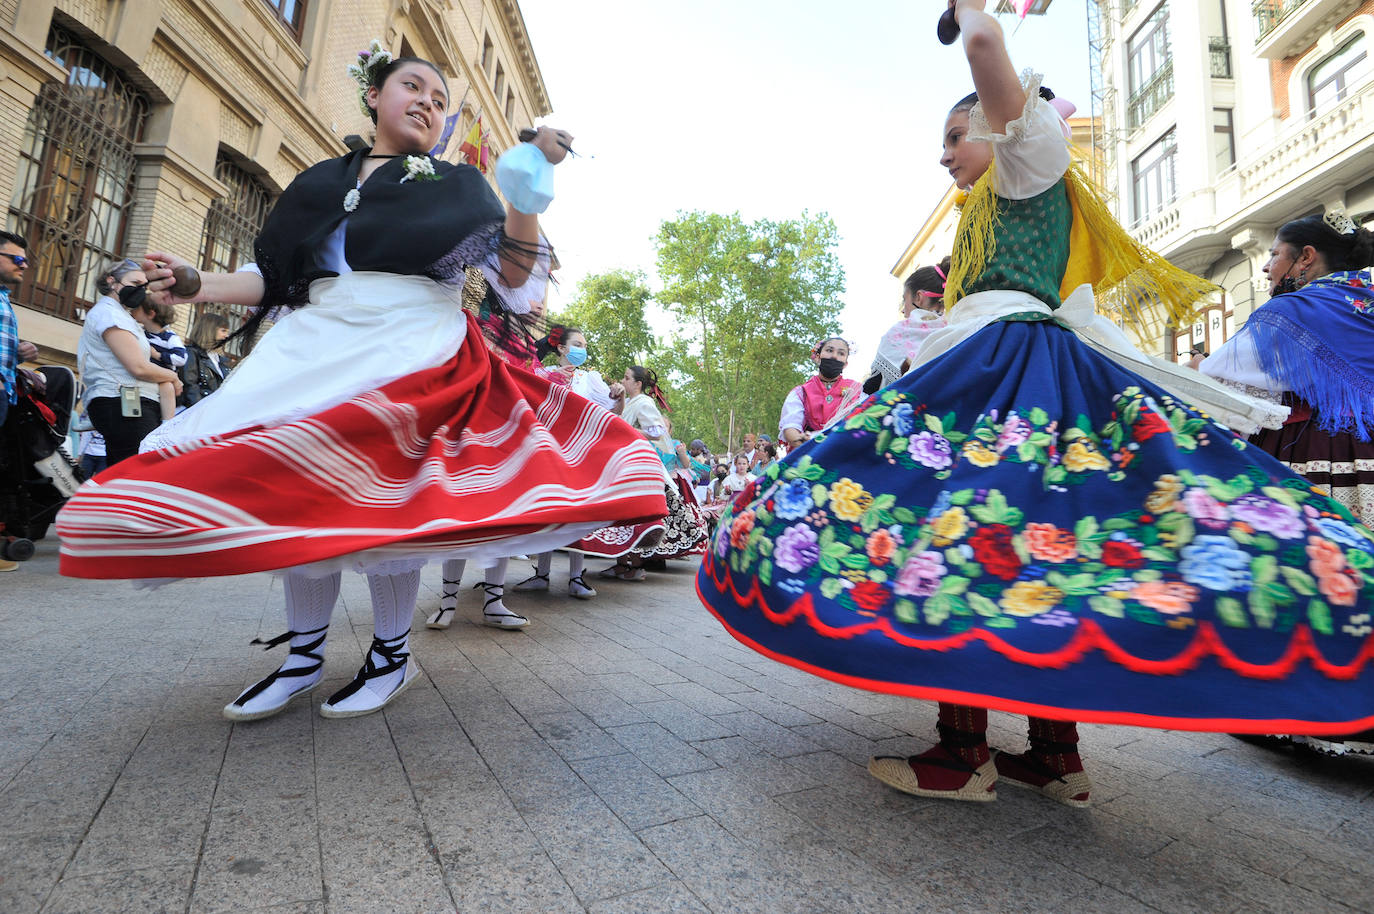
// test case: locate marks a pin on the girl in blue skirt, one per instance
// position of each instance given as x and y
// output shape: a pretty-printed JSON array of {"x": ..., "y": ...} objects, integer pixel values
[{"x": 1040, "y": 519}]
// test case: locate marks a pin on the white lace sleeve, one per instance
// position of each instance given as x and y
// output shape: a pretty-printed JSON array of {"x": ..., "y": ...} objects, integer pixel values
[
  {"x": 1237, "y": 365},
  {"x": 520, "y": 298},
  {"x": 793, "y": 413},
  {"x": 1031, "y": 153}
]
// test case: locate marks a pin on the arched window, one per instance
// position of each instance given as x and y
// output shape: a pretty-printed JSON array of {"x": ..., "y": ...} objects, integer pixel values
[
  {"x": 75, "y": 183},
  {"x": 231, "y": 226},
  {"x": 1330, "y": 81}
]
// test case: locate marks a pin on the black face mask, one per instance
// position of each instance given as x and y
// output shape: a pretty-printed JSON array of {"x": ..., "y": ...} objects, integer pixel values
[
  {"x": 831, "y": 368},
  {"x": 133, "y": 297}
]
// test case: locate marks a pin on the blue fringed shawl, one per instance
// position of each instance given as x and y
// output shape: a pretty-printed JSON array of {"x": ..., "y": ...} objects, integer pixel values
[{"x": 1319, "y": 341}]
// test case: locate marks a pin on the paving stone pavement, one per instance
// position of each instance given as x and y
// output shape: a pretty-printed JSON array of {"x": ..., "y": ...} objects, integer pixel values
[{"x": 620, "y": 755}]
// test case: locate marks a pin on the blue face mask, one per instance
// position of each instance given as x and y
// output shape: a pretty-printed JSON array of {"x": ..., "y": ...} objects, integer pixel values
[
  {"x": 577, "y": 355},
  {"x": 526, "y": 178}
]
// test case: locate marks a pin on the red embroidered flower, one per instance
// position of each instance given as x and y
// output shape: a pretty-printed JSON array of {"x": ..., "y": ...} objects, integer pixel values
[
  {"x": 1357, "y": 282},
  {"x": 992, "y": 546},
  {"x": 870, "y": 595},
  {"x": 1117, "y": 554},
  {"x": 1149, "y": 424},
  {"x": 740, "y": 528},
  {"x": 746, "y": 495}
]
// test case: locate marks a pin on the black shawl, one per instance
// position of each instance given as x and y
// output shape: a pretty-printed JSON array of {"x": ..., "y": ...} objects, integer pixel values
[{"x": 429, "y": 228}]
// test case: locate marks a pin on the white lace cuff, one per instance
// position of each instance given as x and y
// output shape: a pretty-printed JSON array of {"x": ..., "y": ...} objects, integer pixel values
[{"x": 1032, "y": 154}]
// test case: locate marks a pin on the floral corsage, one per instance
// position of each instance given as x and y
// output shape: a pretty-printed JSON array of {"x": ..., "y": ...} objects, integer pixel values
[{"x": 419, "y": 168}]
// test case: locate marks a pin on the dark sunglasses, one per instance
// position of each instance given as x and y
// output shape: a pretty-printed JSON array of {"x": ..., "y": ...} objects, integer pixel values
[{"x": 19, "y": 259}]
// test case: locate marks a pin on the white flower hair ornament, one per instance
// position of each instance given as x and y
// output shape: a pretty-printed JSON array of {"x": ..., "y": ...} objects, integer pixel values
[
  {"x": 363, "y": 71},
  {"x": 1340, "y": 222}
]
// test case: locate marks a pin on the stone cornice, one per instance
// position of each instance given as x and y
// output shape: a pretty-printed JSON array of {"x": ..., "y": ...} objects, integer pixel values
[{"x": 520, "y": 39}]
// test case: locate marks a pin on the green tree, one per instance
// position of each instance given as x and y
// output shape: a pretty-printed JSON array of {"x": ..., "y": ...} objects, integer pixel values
[
  {"x": 609, "y": 309},
  {"x": 751, "y": 300}
]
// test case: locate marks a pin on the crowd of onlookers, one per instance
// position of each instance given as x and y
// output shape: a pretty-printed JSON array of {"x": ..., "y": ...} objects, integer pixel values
[{"x": 719, "y": 477}]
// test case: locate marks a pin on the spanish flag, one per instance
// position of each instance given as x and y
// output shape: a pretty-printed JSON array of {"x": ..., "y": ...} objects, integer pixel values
[{"x": 471, "y": 147}]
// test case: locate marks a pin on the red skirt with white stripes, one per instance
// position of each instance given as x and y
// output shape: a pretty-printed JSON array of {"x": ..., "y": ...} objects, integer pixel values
[{"x": 468, "y": 459}]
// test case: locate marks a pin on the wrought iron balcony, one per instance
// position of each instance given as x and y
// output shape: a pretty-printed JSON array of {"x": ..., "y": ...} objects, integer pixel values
[
  {"x": 1220, "y": 51},
  {"x": 1269, "y": 13},
  {"x": 1152, "y": 96}
]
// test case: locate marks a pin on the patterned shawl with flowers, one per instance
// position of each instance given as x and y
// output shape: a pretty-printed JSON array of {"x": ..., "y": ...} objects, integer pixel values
[{"x": 1319, "y": 341}]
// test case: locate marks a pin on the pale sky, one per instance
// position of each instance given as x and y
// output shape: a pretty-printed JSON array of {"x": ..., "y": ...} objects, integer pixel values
[{"x": 768, "y": 108}]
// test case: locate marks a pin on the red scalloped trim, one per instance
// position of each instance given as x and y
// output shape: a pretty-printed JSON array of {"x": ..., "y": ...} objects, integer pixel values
[
  {"x": 1081, "y": 715},
  {"x": 1089, "y": 637}
]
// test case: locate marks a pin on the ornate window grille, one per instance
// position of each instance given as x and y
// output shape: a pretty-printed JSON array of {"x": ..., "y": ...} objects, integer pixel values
[
  {"x": 231, "y": 226},
  {"x": 75, "y": 183}
]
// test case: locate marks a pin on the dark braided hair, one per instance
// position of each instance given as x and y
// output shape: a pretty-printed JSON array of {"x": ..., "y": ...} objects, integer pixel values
[
  {"x": 1340, "y": 252},
  {"x": 649, "y": 379},
  {"x": 968, "y": 101},
  {"x": 381, "y": 74},
  {"x": 558, "y": 335}
]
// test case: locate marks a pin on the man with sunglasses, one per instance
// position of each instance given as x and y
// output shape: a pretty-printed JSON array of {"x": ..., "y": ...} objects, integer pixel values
[{"x": 13, "y": 262}]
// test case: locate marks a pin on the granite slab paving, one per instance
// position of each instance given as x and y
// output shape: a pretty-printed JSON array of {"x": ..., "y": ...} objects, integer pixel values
[{"x": 619, "y": 755}]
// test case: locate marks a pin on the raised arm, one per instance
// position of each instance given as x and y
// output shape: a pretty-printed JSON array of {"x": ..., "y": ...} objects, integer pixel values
[
  {"x": 242, "y": 288},
  {"x": 995, "y": 79},
  {"x": 523, "y": 228}
]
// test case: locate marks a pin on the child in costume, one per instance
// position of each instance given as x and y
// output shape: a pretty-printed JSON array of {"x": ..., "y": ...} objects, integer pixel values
[
  {"x": 1032, "y": 519},
  {"x": 812, "y": 406},
  {"x": 923, "y": 307},
  {"x": 370, "y": 429}
]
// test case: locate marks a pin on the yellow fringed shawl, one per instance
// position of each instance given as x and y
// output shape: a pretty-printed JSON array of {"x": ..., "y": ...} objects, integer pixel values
[{"x": 1130, "y": 281}]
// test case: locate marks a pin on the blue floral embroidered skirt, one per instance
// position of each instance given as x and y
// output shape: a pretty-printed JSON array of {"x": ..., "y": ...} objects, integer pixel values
[{"x": 1022, "y": 524}]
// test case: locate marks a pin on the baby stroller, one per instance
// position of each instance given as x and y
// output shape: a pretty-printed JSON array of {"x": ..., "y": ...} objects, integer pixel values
[{"x": 37, "y": 475}]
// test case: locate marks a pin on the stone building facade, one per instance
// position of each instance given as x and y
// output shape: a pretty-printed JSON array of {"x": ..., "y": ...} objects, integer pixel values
[
  {"x": 1228, "y": 118},
  {"x": 138, "y": 125}
]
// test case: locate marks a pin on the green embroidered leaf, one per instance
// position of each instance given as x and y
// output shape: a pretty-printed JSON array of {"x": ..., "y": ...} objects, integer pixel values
[
  {"x": 934, "y": 424},
  {"x": 1319, "y": 617},
  {"x": 1107, "y": 606},
  {"x": 1176, "y": 419},
  {"x": 870, "y": 521},
  {"x": 883, "y": 502},
  {"x": 898, "y": 446},
  {"x": 943, "y": 474},
  {"x": 813, "y": 472},
  {"x": 854, "y": 422},
  {"x": 1001, "y": 622},
  {"x": 836, "y": 550},
  {"x": 1281, "y": 495},
  {"x": 877, "y": 575},
  {"x": 884, "y": 440},
  {"x": 1080, "y": 585},
  {"x": 1018, "y": 545},
  {"x": 936, "y": 609},
  {"x": 827, "y": 536},
  {"x": 953, "y": 557},
  {"x": 1277, "y": 592},
  {"x": 855, "y": 560},
  {"x": 1146, "y": 575},
  {"x": 949, "y": 420},
  {"x": 766, "y": 572},
  {"x": 1261, "y": 607},
  {"x": 1112, "y": 524},
  {"x": 763, "y": 517},
  {"x": 1359, "y": 559},
  {"x": 1240, "y": 536},
  {"x": 829, "y": 564},
  {"x": 986, "y": 435},
  {"x": 1027, "y": 452},
  {"x": 953, "y": 584},
  {"x": 1085, "y": 528},
  {"x": 1264, "y": 568},
  {"x": 904, "y": 515},
  {"x": 1055, "y": 475},
  {"x": 766, "y": 547},
  {"x": 1242, "y": 484},
  {"x": 1158, "y": 554},
  {"x": 1038, "y": 416},
  {"x": 831, "y": 588},
  {"x": 1090, "y": 548},
  {"x": 983, "y": 606},
  {"x": 905, "y": 611},
  {"x": 1232, "y": 613},
  {"x": 856, "y": 541},
  {"x": 872, "y": 425},
  {"x": 961, "y": 497}
]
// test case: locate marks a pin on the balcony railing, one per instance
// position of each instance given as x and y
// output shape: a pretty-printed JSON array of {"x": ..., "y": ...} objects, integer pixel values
[
  {"x": 1152, "y": 96},
  {"x": 1269, "y": 13},
  {"x": 1220, "y": 51}
]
